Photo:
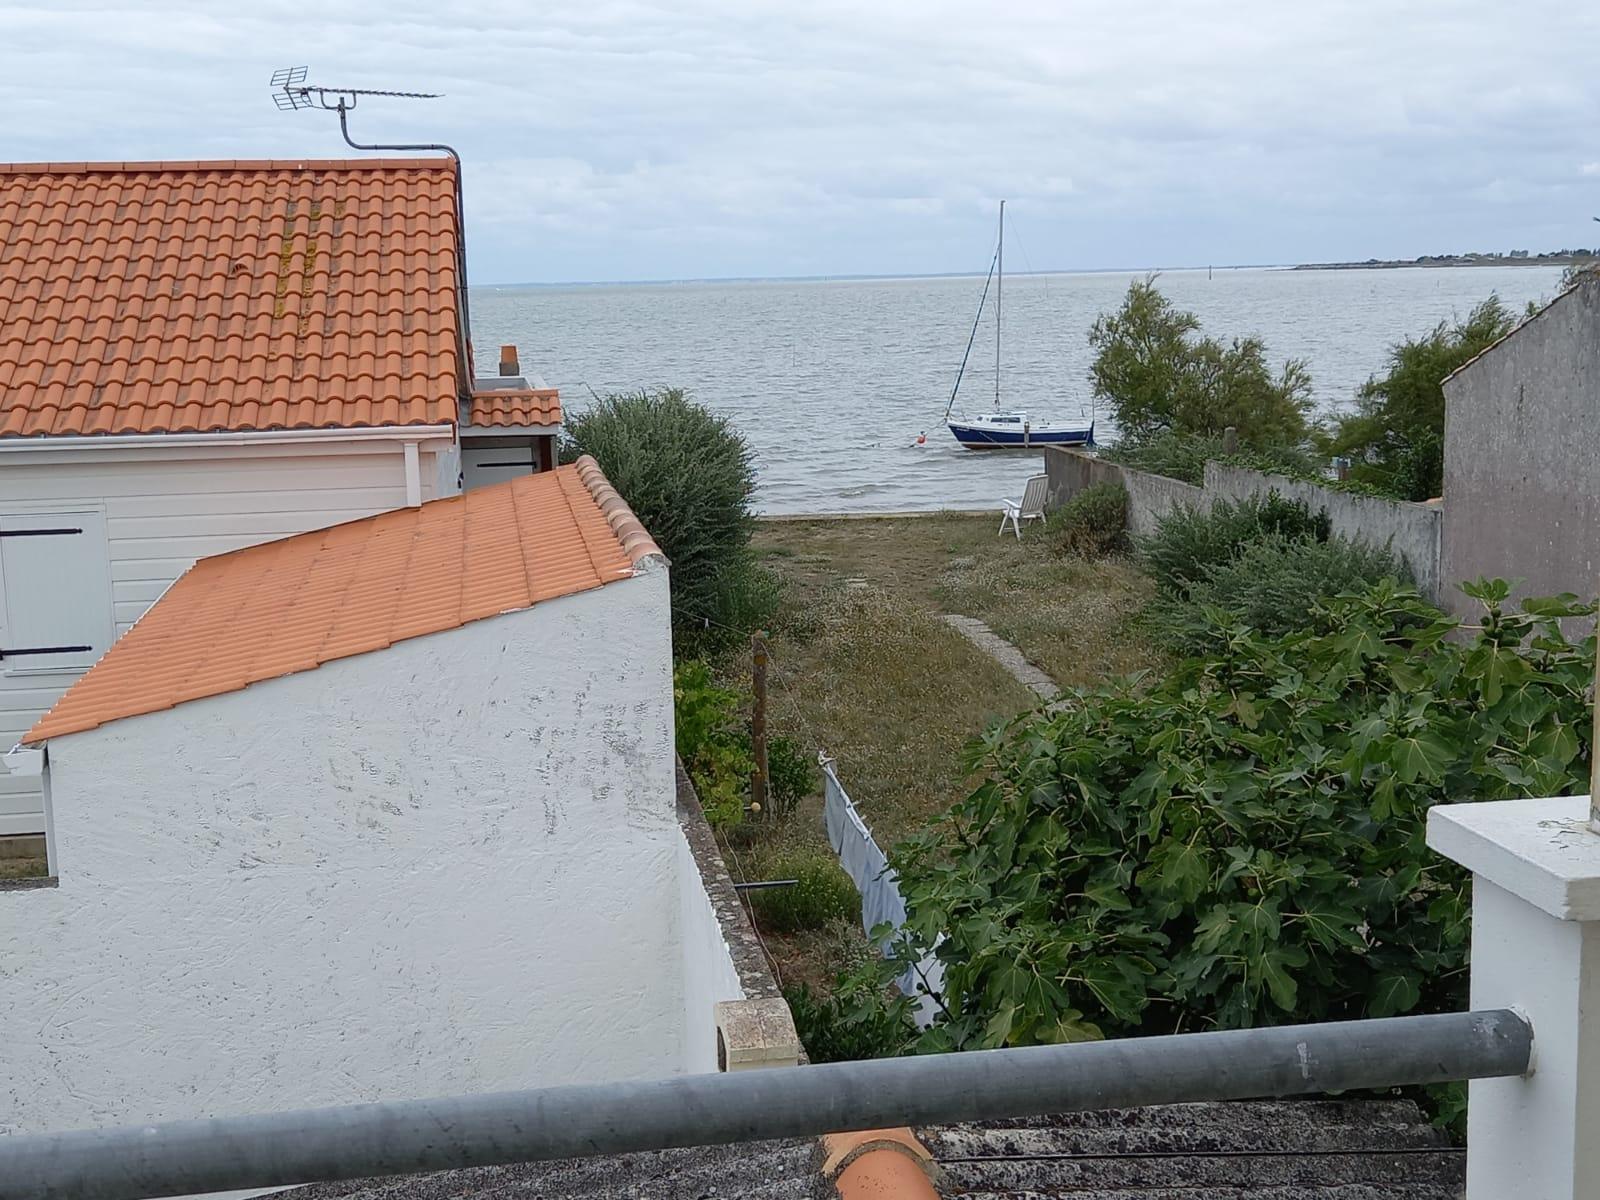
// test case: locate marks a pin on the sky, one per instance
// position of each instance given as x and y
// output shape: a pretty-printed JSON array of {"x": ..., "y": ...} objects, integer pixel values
[{"x": 705, "y": 139}]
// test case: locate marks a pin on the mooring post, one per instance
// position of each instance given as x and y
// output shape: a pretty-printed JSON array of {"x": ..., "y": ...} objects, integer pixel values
[{"x": 758, "y": 721}]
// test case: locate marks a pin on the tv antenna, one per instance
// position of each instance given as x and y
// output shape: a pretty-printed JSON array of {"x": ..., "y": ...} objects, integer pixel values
[{"x": 291, "y": 92}]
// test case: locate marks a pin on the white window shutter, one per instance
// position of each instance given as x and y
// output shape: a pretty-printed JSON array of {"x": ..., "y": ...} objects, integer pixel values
[{"x": 55, "y": 575}]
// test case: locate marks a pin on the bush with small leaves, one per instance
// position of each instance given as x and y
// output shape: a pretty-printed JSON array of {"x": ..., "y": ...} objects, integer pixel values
[
  {"x": 1190, "y": 540},
  {"x": 791, "y": 774},
  {"x": 1264, "y": 561},
  {"x": 822, "y": 892},
  {"x": 689, "y": 476},
  {"x": 1093, "y": 524},
  {"x": 857, "y": 1020},
  {"x": 1271, "y": 586},
  {"x": 711, "y": 741}
]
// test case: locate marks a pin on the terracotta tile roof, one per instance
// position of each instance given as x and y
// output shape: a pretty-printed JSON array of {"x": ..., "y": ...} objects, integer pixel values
[
  {"x": 514, "y": 408},
  {"x": 193, "y": 296},
  {"x": 294, "y": 604}
]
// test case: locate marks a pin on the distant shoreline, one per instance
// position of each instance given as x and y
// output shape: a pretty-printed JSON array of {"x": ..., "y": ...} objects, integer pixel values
[
  {"x": 1552, "y": 260},
  {"x": 1448, "y": 260}
]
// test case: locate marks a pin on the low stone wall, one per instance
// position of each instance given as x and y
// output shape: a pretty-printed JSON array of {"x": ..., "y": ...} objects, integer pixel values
[
  {"x": 1413, "y": 531},
  {"x": 1150, "y": 497},
  {"x": 725, "y": 973}
]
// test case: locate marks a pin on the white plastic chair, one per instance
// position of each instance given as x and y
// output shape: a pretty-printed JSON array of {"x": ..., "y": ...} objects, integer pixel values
[{"x": 1029, "y": 508}]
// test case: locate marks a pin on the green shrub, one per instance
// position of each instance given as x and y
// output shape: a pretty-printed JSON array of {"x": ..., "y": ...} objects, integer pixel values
[
  {"x": 791, "y": 774},
  {"x": 1093, "y": 524},
  {"x": 850, "y": 1024},
  {"x": 1189, "y": 541},
  {"x": 711, "y": 741},
  {"x": 1272, "y": 586},
  {"x": 822, "y": 893},
  {"x": 1263, "y": 562},
  {"x": 1243, "y": 843},
  {"x": 689, "y": 476}
]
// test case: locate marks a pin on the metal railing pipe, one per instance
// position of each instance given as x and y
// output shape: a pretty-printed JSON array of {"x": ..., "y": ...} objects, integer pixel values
[{"x": 136, "y": 1162}]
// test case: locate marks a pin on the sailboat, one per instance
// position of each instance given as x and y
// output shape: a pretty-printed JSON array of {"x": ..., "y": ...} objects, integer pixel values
[{"x": 1007, "y": 429}]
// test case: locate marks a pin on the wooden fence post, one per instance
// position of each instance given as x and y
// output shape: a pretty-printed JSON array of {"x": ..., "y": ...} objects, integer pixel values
[{"x": 758, "y": 721}]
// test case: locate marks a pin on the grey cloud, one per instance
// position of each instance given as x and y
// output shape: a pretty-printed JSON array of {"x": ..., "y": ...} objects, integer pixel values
[{"x": 632, "y": 138}]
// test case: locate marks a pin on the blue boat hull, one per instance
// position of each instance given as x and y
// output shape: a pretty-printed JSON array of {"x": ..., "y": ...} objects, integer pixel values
[{"x": 977, "y": 438}]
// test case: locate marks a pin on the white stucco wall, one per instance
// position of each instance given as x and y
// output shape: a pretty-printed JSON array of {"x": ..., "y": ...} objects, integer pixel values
[
  {"x": 449, "y": 866},
  {"x": 709, "y": 974},
  {"x": 162, "y": 507}
]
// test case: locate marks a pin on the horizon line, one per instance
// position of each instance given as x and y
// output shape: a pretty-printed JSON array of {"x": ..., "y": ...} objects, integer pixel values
[{"x": 862, "y": 276}]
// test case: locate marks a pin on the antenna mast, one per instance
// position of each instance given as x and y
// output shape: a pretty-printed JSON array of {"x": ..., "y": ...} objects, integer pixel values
[{"x": 291, "y": 93}]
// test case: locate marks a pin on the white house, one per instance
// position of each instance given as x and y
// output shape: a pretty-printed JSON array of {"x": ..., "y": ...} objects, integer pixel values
[
  {"x": 382, "y": 810},
  {"x": 196, "y": 357}
]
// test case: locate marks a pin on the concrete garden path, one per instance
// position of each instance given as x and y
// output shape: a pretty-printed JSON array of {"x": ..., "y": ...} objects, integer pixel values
[{"x": 1004, "y": 653}]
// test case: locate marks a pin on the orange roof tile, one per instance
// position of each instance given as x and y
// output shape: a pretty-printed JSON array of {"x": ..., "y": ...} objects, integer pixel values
[
  {"x": 879, "y": 1164},
  {"x": 294, "y": 604},
  {"x": 189, "y": 297},
  {"x": 514, "y": 408}
]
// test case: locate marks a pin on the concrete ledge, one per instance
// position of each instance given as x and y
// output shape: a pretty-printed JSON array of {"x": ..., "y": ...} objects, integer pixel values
[
  {"x": 754, "y": 1034},
  {"x": 1541, "y": 851}
]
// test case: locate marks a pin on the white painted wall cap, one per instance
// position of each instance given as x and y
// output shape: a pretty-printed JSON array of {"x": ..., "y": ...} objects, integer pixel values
[{"x": 1542, "y": 851}]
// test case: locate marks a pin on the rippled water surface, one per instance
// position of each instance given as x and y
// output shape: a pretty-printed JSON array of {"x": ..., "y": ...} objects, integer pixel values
[{"x": 832, "y": 380}]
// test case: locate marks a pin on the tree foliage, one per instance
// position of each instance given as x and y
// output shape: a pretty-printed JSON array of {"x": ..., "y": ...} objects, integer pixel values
[
  {"x": 1159, "y": 376},
  {"x": 689, "y": 476},
  {"x": 1243, "y": 842},
  {"x": 1185, "y": 455},
  {"x": 1395, "y": 436}
]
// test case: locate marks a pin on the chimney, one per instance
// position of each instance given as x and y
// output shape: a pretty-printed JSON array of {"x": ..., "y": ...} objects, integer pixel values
[{"x": 508, "y": 361}]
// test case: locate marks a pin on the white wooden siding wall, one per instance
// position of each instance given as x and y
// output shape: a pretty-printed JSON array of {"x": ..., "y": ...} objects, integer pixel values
[{"x": 164, "y": 512}]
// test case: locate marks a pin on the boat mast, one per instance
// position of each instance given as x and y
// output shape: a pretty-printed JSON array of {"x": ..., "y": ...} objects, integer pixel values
[
  {"x": 977, "y": 320},
  {"x": 999, "y": 284}
]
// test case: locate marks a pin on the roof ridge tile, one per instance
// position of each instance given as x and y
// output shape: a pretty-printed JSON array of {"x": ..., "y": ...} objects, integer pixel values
[{"x": 629, "y": 530}]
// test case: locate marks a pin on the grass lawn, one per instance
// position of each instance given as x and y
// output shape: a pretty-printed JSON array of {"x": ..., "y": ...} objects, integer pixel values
[
  {"x": 22, "y": 858},
  {"x": 864, "y": 669}
]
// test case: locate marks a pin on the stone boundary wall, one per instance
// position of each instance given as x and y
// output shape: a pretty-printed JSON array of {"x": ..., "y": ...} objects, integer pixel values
[
  {"x": 1413, "y": 531},
  {"x": 744, "y": 946},
  {"x": 1150, "y": 497}
]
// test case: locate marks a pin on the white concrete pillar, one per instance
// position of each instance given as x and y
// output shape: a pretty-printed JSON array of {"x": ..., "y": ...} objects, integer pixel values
[
  {"x": 1535, "y": 947},
  {"x": 755, "y": 1034}
]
